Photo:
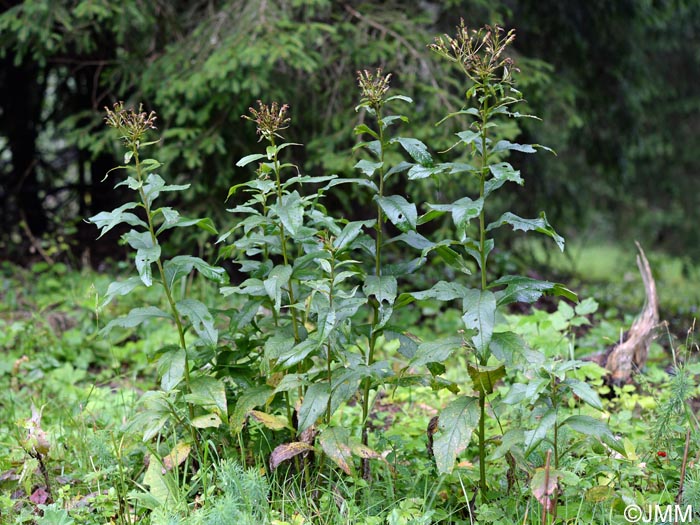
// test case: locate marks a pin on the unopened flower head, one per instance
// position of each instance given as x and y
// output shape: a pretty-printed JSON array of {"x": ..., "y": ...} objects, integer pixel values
[
  {"x": 479, "y": 52},
  {"x": 132, "y": 124},
  {"x": 373, "y": 86},
  {"x": 270, "y": 120}
]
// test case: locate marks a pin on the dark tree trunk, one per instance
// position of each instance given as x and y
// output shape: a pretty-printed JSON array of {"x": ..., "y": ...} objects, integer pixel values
[{"x": 21, "y": 96}]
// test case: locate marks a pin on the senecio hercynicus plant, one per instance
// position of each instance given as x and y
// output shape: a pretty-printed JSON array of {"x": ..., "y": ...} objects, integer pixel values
[{"x": 319, "y": 296}]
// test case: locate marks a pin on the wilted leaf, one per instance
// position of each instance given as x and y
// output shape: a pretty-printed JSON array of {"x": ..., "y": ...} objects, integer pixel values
[
  {"x": 335, "y": 444},
  {"x": 176, "y": 456},
  {"x": 269, "y": 420},
  {"x": 287, "y": 451}
]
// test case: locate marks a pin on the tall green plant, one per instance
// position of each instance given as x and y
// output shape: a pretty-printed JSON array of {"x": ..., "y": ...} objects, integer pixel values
[
  {"x": 179, "y": 363},
  {"x": 481, "y": 57}
]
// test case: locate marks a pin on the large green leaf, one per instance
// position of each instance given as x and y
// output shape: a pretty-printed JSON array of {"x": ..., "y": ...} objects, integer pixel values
[
  {"x": 350, "y": 233},
  {"x": 135, "y": 317},
  {"x": 383, "y": 287},
  {"x": 155, "y": 185},
  {"x": 544, "y": 424},
  {"x": 314, "y": 405},
  {"x": 276, "y": 281},
  {"x": 399, "y": 211},
  {"x": 456, "y": 424},
  {"x": 480, "y": 314},
  {"x": 248, "y": 400},
  {"x": 368, "y": 167},
  {"x": 201, "y": 319},
  {"x": 205, "y": 224},
  {"x": 182, "y": 265},
  {"x": 106, "y": 220},
  {"x": 442, "y": 291},
  {"x": 584, "y": 391},
  {"x": 502, "y": 173},
  {"x": 528, "y": 290},
  {"x": 463, "y": 210},
  {"x": 416, "y": 149},
  {"x": 596, "y": 428},
  {"x": 484, "y": 378},
  {"x": 210, "y": 393},
  {"x": 118, "y": 288},
  {"x": 436, "y": 351},
  {"x": 171, "y": 368},
  {"x": 539, "y": 225},
  {"x": 290, "y": 210},
  {"x": 146, "y": 253}
]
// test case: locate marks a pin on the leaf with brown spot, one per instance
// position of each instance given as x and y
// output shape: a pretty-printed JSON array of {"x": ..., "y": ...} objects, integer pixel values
[
  {"x": 176, "y": 456},
  {"x": 287, "y": 451},
  {"x": 334, "y": 442},
  {"x": 543, "y": 485},
  {"x": 268, "y": 420}
]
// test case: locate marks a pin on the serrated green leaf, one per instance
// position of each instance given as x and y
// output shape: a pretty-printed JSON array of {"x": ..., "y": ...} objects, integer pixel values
[
  {"x": 480, "y": 315},
  {"x": 504, "y": 145},
  {"x": 528, "y": 290},
  {"x": 587, "y": 306},
  {"x": 276, "y": 281},
  {"x": 484, "y": 378},
  {"x": 436, "y": 351},
  {"x": 201, "y": 319},
  {"x": 399, "y": 211},
  {"x": 155, "y": 185},
  {"x": 414, "y": 240},
  {"x": 181, "y": 266},
  {"x": 384, "y": 288},
  {"x": 205, "y": 224},
  {"x": 539, "y": 225},
  {"x": 248, "y": 400},
  {"x": 584, "y": 391},
  {"x": 314, "y": 405},
  {"x": 368, "y": 167},
  {"x": 507, "y": 346},
  {"x": 135, "y": 317},
  {"x": 119, "y": 288},
  {"x": 442, "y": 291},
  {"x": 596, "y": 428},
  {"x": 209, "y": 393},
  {"x": 502, "y": 173},
  {"x": 171, "y": 368},
  {"x": 416, "y": 149},
  {"x": 419, "y": 171},
  {"x": 290, "y": 210},
  {"x": 456, "y": 424},
  {"x": 249, "y": 158},
  {"x": 544, "y": 424},
  {"x": 350, "y": 233},
  {"x": 107, "y": 220}
]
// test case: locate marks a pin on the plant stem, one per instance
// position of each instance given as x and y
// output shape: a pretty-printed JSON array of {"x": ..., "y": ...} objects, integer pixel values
[
  {"x": 166, "y": 288},
  {"x": 375, "y": 306},
  {"x": 483, "y": 358}
]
